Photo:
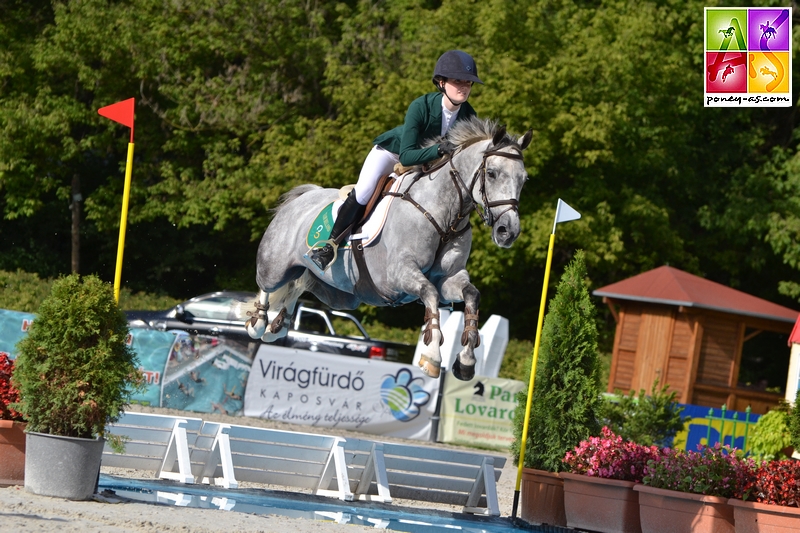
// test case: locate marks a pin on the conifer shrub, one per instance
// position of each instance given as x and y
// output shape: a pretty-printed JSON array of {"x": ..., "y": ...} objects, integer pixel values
[
  {"x": 794, "y": 423},
  {"x": 566, "y": 399},
  {"x": 74, "y": 370}
]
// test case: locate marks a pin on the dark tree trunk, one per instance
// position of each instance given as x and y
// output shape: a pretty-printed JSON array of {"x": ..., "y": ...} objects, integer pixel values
[{"x": 75, "y": 207}]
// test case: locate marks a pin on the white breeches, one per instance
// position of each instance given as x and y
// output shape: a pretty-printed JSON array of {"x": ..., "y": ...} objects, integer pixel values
[{"x": 379, "y": 162}]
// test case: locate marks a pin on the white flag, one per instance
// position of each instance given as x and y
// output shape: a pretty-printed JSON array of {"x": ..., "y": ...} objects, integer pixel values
[{"x": 564, "y": 213}]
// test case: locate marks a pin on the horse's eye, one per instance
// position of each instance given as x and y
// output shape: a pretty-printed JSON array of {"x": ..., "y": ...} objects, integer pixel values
[{"x": 490, "y": 173}]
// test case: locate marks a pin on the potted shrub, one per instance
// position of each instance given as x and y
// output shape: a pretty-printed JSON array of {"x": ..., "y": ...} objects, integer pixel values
[
  {"x": 652, "y": 419},
  {"x": 773, "y": 499},
  {"x": 770, "y": 438},
  {"x": 75, "y": 373},
  {"x": 566, "y": 397},
  {"x": 12, "y": 428},
  {"x": 598, "y": 487},
  {"x": 689, "y": 491}
]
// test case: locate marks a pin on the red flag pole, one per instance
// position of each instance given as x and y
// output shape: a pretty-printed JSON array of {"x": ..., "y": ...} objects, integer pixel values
[{"x": 122, "y": 112}]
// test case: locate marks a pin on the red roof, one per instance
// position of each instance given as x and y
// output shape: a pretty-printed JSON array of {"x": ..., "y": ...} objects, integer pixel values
[
  {"x": 668, "y": 285},
  {"x": 794, "y": 338}
]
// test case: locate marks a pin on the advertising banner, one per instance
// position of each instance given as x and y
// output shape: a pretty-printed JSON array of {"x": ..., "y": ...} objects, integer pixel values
[
  {"x": 13, "y": 326},
  {"x": 479, "y": 412},
  {"x": 196, "y": 373},
  {"x": 707, "y": 426},
  {"x": 335, "y": 391}
]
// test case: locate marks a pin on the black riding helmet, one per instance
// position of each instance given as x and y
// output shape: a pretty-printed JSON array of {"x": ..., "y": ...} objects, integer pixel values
[{"x": 456, "y": 65}]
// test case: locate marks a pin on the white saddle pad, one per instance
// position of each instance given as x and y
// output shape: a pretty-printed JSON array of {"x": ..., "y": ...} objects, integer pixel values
[{"x": 374, "y": 225}]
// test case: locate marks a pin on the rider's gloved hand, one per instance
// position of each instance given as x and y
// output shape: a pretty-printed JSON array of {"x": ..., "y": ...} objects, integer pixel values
[{"x": 446, "y": 148}]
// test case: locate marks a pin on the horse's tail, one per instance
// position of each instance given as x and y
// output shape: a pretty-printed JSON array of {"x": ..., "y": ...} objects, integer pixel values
[
  {"x": 292, "y": 194},
  {"x": 242, "y": 310}
]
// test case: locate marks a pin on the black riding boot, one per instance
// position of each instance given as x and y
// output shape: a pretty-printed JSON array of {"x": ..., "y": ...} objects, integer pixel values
[{"x": 349, "y": 213}]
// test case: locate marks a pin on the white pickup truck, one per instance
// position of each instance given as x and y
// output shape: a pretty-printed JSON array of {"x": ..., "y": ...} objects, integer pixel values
[{"x": 312, "y": 327}]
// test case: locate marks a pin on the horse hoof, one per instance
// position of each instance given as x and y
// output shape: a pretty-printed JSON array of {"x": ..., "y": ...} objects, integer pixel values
[
  {"x": 429, "y": 367},
  {"x": 253, "y": 329},
  {"x": 463, "y": 372}
]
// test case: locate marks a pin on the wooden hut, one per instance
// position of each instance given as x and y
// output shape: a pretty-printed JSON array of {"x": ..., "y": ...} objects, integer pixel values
[
  {"x": 688, "y": 332},
  {"x": 793, "y": 380}
]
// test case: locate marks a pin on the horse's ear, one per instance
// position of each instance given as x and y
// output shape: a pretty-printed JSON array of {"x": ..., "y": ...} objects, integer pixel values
[
  {"x": 525, "y": 141},
  {"x": 499, "y": 136}
]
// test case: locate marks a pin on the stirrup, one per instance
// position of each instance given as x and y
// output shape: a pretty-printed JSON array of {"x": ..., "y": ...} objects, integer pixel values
[{"x": 320, "y": 244}]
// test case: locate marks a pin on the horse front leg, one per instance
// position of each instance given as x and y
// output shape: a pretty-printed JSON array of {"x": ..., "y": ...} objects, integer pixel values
[
  {"x": 457, "y": 288},
  {"x": 430, "y": 360}
]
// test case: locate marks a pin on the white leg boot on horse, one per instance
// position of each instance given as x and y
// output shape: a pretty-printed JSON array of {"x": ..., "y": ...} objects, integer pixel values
[
  {"x": 464, "y": 365},
  {"x": 256, "y": 325},
  {"x": 459, "y": 287},
  {"x": 430, "y": 359},
  {"x": 259, "y": 325}
]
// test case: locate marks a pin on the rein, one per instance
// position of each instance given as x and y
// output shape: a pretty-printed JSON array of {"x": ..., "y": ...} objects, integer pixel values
[{"x": 485, "y": 212}]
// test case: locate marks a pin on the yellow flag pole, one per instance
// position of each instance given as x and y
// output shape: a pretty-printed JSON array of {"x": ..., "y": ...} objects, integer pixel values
[
  {"x": 564, "y": 213},
  {"x": 524, "y": 441},
  {"x": 123, "y": 223}
]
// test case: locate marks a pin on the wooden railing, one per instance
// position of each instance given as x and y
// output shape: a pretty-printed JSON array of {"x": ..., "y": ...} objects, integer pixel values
[{"x": 734, "y": 398}]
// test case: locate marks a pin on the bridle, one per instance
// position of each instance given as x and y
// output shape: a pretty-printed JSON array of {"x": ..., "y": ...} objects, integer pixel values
[
  {"x": 485, "y": 212},
  {"x": 480, "y": 173}
]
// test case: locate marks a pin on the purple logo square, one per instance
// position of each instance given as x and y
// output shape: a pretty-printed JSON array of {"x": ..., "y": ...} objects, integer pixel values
[{"x": 768, "y": 29}]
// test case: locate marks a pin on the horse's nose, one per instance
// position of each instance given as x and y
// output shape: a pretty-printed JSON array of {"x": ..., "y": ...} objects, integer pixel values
[
  {"x": 506, "y": 229},
  {"x": 504, "y": 235}
]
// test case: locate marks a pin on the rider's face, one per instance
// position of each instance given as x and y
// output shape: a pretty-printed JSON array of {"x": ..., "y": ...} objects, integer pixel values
[{"x": 457, "y": 90}]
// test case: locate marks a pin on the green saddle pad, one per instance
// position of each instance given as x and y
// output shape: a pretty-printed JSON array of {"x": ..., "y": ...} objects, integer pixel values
[{"x": 320, "y": 229}]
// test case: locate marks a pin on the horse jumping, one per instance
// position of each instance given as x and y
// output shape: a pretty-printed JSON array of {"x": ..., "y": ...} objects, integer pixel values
[{"x": 422, "y": 252}]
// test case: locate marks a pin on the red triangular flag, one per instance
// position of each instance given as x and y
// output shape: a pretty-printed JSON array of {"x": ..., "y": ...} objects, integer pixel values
[{"x": 121, "y": 112}]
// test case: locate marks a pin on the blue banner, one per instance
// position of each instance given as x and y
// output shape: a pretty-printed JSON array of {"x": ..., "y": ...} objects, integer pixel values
[
  {"x": 192, "y": 372},
  {"x": 700, "y": 429},
  {"x": 13, "y": 326}
]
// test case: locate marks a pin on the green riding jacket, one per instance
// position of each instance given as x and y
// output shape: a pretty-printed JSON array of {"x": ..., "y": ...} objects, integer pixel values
[{"x": 423, "y": 121}]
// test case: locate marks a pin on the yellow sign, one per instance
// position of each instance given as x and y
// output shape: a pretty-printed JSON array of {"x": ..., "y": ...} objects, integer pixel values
[{"x": 479, "y": 412}]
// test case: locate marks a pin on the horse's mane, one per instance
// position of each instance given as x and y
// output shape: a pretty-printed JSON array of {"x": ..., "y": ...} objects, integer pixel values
[
  {"x": 292, "y": 194},
  {"x": 474, "y": 129}
]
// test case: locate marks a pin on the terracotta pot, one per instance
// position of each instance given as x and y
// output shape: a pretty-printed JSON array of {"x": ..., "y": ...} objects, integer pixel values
[
  {"x": 670, "y": 511},
  {"x": 542, "y": 498},
  {"x": 597, "y": 504},
  {"x": 752, "y": 517},
  {"x": 12, "y": 452}
]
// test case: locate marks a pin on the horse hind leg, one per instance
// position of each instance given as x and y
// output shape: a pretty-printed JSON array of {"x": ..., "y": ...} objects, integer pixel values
[
  {"x": 256, "y": 325},
  {"x": 464, "y": 364},
  {"x": 430, "y": 359},
  {"x": 284, "y": 299}
]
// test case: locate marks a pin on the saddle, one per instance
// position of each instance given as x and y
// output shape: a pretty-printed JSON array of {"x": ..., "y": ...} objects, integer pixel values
[{"x": 384, "y": 184}]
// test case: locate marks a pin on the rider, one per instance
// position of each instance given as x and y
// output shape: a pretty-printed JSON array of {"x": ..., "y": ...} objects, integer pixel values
[{"x": 428, "y": 116}]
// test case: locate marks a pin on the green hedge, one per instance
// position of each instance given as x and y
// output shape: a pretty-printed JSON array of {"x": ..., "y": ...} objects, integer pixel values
[{"x": 23, "y": 291}]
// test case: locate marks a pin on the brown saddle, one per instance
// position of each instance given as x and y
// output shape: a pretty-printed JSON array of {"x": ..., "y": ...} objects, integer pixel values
[{"x": 384, "y": 184}]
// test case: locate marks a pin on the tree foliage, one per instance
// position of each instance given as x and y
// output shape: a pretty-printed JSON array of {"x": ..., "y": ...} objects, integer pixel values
[
  {"x": 239, "y": 101},
  {"x": 74, "y": 370},
  {"x": 566, "y": 405},
  {"x": 648, "y": 420}
]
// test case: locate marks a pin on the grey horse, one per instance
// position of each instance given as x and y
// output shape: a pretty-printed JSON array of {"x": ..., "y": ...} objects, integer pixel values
[{"x": 421, "y": 253}]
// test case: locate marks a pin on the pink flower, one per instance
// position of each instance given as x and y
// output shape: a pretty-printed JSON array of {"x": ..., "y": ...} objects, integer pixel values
[{"x": 611, "y": 457}]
